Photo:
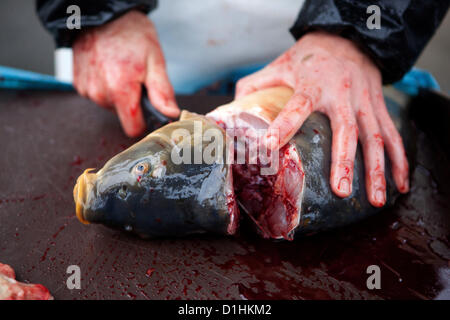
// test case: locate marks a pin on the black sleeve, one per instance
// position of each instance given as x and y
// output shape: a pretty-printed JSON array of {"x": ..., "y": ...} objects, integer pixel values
[
  {"x": 406, "y": 27},
  {"x": 53, "y": 15}
]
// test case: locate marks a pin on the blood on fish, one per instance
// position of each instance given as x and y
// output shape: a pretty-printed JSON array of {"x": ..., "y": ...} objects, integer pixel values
[
  {"x": 233, "y": 212},
  {"x": 221, "y": 124},
  {"x": 263, "y": 196}
]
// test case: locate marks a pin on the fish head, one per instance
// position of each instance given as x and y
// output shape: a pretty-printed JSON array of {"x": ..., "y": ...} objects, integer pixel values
[
  {"x": 145, "y": 191},
  {"x": 123, "y": 188}
]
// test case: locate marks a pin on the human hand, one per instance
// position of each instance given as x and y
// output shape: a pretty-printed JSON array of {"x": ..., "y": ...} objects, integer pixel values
[
  {"x": 331, "y": 75},
  {"x": 112, "y": 61}
]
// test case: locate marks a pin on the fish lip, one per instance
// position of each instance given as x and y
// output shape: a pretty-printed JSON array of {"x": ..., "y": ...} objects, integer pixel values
[{"x": 80, "y": 193}]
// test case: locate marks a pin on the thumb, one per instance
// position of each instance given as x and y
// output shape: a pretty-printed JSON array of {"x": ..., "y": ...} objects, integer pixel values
[
  {"x": 288, "y": 121},
  {"x": 160, "y": 90}
]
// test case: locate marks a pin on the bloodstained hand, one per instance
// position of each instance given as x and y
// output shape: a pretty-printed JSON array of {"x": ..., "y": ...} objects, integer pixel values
[
  {"x": 331, "y": 75},
  {"x": 112, "y": 61}
]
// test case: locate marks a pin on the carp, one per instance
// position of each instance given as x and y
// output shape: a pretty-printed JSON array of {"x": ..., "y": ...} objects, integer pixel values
[{"x": 148, "y": 191}]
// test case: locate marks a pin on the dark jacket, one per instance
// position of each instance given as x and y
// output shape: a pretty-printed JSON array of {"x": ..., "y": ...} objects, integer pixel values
[{"x": 406, "y": 25}]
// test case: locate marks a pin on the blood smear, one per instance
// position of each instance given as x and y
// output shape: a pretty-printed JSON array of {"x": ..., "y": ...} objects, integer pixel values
[{"x": 149, "y": 272}]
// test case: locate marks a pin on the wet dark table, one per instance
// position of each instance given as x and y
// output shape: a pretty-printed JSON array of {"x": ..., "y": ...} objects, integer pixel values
[{"x": 48, "y": 138}]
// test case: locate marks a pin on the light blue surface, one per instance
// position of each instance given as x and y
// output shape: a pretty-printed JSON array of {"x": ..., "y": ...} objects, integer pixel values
[
  {"x": 410, "y": 84},
  {"x": 11, "y": 78}
]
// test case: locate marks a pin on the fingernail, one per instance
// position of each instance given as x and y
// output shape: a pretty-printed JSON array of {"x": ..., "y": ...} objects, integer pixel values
[
  {"x": 380, "y": 197},
  {"x": 172, "y": 105},
  {"x": 271, "y": 142},
  {"x": 344, "y": 186}
]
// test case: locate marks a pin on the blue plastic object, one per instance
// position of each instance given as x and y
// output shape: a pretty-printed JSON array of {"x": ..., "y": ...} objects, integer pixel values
[
  {"x": 415, "y": 80},
  {"x": 11, "y": 78}
]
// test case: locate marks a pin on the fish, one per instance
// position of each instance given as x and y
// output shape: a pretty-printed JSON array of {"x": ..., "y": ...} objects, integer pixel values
[
  {"x": 148, "y": 191},
  {"x": 10, "y": 289},
  {"x": 143, "y": 191}
]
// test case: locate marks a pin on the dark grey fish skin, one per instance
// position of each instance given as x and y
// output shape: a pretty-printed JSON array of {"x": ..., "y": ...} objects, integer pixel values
[
  {"x": 168, "y": 200},
  {"x": 321, "y": 209}
]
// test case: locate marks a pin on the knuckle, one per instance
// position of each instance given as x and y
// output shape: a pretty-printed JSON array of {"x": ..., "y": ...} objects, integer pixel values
[
  {"x": 346, "y": 73},
  {"x": 242, "y": 83},
  {"x": 310, "y": 92},
  {"x": 98, "y": 97},
  {"x": 377, "y": 175},
  {"x": 81, "y": 90},
  {"x": 117, "y": 85},
  {"x": 375, "y": 140},
  {"x": 365, "y": 98},
  {"x": 375, "y": 75},
  {"x": 349, "y": 128},
  {"x": 342, "y": 168},
  {"x": 159, "y": 85},
  {"x": 354, "y": 130},
  {"x": 346, "y": 81},
  {"x": 395, "y": 137},
  {"x": 300, "y": 102},
  {"x": 345, "y": 163},
  {"x": 377, "y": 179}
]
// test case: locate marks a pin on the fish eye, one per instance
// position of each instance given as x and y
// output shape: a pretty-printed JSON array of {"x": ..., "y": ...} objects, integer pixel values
[{"x": 141, "y": 168}]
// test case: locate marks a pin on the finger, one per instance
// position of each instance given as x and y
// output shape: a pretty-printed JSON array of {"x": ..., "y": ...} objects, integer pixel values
[
  {"x": 97, "y": 92},
  {"x": 373, "y": 151},
  {"x": 392, "y": 140},
  {"x": 96, "y": 89},
  {"x": 345, "y": 140},
  {"x": 288, "y": 121},
  {"x": 262, "y": 79},
  {"x": 127, "y": 103},
  {"x": 81, "y": 54},
  {"x": 160, "y": 90}
]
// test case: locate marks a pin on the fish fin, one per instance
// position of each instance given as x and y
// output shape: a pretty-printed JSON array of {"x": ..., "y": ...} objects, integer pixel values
[
  {"x": 265, "y": 104},
  {"x": 186, "y": 115}
]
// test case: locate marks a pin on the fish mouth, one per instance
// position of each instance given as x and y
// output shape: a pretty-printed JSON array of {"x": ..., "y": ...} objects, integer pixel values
[{"x": 81, "y": 191}]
